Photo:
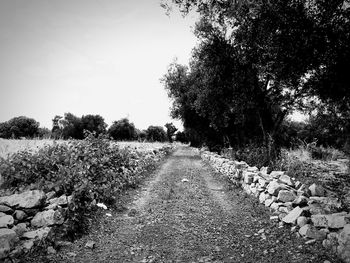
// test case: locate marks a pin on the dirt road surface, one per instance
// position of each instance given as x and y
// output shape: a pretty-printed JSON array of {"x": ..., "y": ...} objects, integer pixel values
[{"x": 185, "y": 212}]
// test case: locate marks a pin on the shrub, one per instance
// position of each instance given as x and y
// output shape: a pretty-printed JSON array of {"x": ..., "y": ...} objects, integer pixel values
[
  {"x": 156, "y": 133},
  {"x": 123, "y": 130},
  {"x": 19, "y": 127},
  {"x": 92, "y": 170}
]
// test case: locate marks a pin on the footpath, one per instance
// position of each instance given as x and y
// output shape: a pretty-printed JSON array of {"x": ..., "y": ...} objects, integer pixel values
[{"x": 185, "y": 212}]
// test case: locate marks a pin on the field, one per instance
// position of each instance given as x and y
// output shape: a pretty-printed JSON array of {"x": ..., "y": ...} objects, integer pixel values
[{"x": 8, "y": 147}]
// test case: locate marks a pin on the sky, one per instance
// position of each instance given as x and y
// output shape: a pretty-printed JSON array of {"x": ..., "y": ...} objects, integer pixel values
[{"x": 101, "y": 57}]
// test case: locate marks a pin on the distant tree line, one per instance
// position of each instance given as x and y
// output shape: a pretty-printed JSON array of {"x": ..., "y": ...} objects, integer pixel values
[
  {"x": 70, "y": 126},
  {"x": 255, "y": 63}
]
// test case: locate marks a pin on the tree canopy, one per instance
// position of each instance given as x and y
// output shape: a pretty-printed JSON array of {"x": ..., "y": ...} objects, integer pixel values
[{"x": 256, "y": 62}]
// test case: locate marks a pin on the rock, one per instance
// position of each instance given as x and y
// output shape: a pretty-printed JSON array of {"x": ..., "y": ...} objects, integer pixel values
[
  {"x": 327, "y": 204},
  {"x": 292, "y": 216},
  {"x": 264, "y": 169},
  {"x": 262, "y": 182},
  {"x": 50, "y": 250},
  {"x": 286, "y": 180},
  {"x": 8, "y": 235},
  {"x": 315, "y": 209},
  {"x": 5, "y": 248},
  {"x": 284, "y": 209},
  {"x": 6, "y": 221},
  {"x": 300, "y": 200},
  {"x": 50, "y": 195},
  {"x": 17, "y": 252},
  {"x": 20, "y": 215},
  {"x": 331, "y": 221},
  {"x": 310, "y": 241},
  {"x": 47, "y": 218},
  {"x": 311, "y": 232},
  {"x": 39, "y": 233},
  {"x": 263, "y": 197},
  {"x": 248, "y": 177},
  {"x": 90, "y": 244},
  {"x": 253, "y": 169},
  {"x": 65, "y": 200},
  {"x": 5, "y": 209},
  {"x": 281, "y": 215},
  {"x": 268, "y": 202},
  {"x": 274, "y": 187},
  {"x": 275, "y": 206},
  {"x": 286, "y": 196},
  {"x": 302, "y": 221},
  {"x": 317, "y": 190},
  {"x": 274, "y": 218},
  {"x": 20, "y": 229},
  {"x": 344, "y": 234},
  {"x": 276, "y": 174},
  {"x": 27, "y": 245},
  {"x": 28, "y": 199}
]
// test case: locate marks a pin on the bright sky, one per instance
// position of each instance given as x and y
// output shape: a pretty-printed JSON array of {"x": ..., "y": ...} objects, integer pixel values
[{"x": 89, "y": 57}]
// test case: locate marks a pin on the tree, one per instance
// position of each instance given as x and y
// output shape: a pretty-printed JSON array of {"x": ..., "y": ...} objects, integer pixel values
[
  {"x": 71, "y": 126},
  {"x": 5, "y": 131},
  {"x": 256, "y": 62},
  {"x": 93, "y": 123},
  {"x": 156, "y": 133},
  {"x": 170, "y": 131},
  {"x": 181, "y": 137},
  {"x": 122, "y": 130},
  {"x": 19, "y": 127}
]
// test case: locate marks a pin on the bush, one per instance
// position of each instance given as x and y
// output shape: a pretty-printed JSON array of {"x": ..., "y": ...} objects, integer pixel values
[
  {"x": 123, "y": 130},
  {"x": 92, "y": 170},
  {"x": 251, "y": 154},
  {"x": 156, "y": 133},
  {"x": 19, "y": 127}
]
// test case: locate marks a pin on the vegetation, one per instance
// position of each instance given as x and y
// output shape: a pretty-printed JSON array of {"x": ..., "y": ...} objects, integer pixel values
[
  {"x": 19, "y": 127},
  {"x": 257, "y": 62},
  {"x": 156, "y": 133},
  {"x": 170, "y": 131},
  {"x": 92, "y": 170},
  {"x": 123, "y": 130}
]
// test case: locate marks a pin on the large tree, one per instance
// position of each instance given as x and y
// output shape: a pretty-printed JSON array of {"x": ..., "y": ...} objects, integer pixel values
[
  {"x": 123, "y": 129},
  {"x": 259, "y": 60},
  {"x": 19, "y": 127}
]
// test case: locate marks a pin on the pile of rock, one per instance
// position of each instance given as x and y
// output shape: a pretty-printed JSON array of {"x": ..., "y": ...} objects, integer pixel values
[
  {"x": 27, "y": 218},
  {"x": 307, "y": 210}
]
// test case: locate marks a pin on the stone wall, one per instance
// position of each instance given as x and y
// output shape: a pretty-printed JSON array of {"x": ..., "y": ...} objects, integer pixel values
[
  {"x": 309, "y": 211},
  {"x": 28, "y": 218}
]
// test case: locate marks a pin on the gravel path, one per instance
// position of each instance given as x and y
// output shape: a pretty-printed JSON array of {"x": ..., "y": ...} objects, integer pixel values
[{"x": 200, "y": 220}]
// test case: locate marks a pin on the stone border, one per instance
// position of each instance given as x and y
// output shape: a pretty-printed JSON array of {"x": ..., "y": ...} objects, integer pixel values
[{"x": 308, "y": 211}]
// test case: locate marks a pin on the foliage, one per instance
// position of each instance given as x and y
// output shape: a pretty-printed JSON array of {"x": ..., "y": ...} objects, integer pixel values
[
  {"x": 256, "y": 62},
  {"x": 44, "y": 133},
  {"x": 19, "y": 127},
  {"x": 123, "y": 130},
  {"x": 92, "y": 170},
  {"x": 181, "y": 137},
  {"x": 170, "y": 131},
  {"x": 93, "y": 123},
  {"x": 74, "y": 127},
  {"x": 156, "y": 133}
]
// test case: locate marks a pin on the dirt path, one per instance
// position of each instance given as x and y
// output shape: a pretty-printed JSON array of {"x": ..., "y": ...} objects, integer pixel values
[{"x": 199, "y": 220}]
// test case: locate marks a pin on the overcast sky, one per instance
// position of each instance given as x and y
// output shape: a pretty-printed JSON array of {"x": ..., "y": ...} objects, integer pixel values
[{"x": 89, "y": 57}]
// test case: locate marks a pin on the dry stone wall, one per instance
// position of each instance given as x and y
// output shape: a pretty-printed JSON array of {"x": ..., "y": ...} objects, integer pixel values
[
  {"x": 29, "y": 217},
  {"x": 307, "y": 210}
]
